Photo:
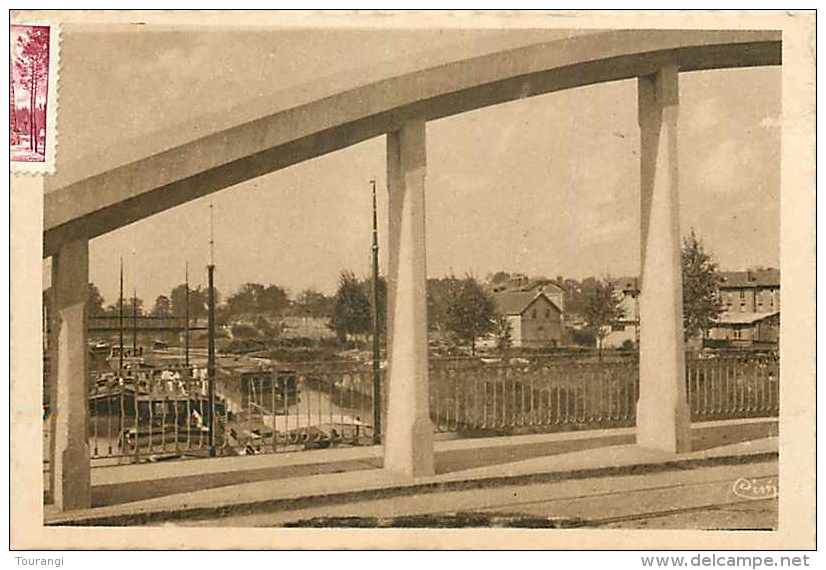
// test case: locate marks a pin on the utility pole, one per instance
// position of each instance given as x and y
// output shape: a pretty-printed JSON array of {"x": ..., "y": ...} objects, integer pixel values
[
  {"x": 211, "y": 344},
  {"x": 120, "y": 323},
  {"x": 376, "y": 346},
  {"x": 186, "y": 316}
]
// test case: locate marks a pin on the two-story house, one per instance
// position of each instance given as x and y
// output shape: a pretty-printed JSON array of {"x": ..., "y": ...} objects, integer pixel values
[
  {"x": 751, "y": 291},
  {"x": 535, "y": 314},
  {"x": 751, "y": 308}
]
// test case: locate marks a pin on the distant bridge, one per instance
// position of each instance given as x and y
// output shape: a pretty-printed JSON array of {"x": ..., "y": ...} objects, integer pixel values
[{"x": 141, "y": 323}]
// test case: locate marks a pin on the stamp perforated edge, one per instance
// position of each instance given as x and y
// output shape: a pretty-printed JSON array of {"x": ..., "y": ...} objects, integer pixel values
[{"x": 52, "y": 104}]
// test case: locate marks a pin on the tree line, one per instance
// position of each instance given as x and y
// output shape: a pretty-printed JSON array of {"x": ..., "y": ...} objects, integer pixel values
[
  {"x": 462, "y": 309},
  {"x": 251, "y": 299}
]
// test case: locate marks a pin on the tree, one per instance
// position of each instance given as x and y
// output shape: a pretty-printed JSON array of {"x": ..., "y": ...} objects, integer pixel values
[
  {"x": 113, "y": 309},
  {"x": 504, "y": 333},
  {"x": 470, "y": 312},
  {"x": 576, "y": 294},
  {"x": 255, "y": 298},
  {"x": 32, "y": 66},
  {"x": 12, "y": 113},
  {"x": 265, "y": 328},
  {"x": 351, "y": 313},
  {"x": 498, "y": 278},
  {"x": 602, "y": 309},
  {"x": 246, "y": 299},
  {"x": 382, "y": 295},
  {"x": 272, "y": 299},
  {"x": 94, "y": 304},
  {"x": 162, "y": 307},
  {"x": 222, "y": 316},
  {"x": 177, "y": 299},
  {"x": 313, "y": 303},
  {"x": 583, "y": 337},
  {"x": 133, "y": 305},
  {"x": 198, "y": 300},
  {"x": 439, "y": 292},
  {"x": 701, "y": 300}
]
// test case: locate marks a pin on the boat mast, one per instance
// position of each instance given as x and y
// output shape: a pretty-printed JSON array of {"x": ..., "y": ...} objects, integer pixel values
[
  {"x": 186, "y": 316},
  {"x": 120, "y": 322},
  {"x": 134, "y": 306},
  {"x": 134, "y": 321}
]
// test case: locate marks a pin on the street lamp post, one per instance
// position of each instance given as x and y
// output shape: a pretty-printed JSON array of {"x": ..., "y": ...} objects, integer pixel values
[
  {"x": 134, "y": 322},
  {"x": 376, "y": 346},
  {"x": 211, "y": 342},
  {"x": 211, "y": 360}
]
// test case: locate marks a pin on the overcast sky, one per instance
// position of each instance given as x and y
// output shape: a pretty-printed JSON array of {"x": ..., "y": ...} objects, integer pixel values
[{"x": 546, "y": 186}]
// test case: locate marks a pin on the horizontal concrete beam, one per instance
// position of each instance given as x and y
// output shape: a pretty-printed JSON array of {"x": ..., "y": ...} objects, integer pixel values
[{"x": 131, "y": 192}]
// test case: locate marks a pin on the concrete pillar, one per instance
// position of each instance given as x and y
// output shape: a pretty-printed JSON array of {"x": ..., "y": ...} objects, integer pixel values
[
  {"x": 71, "y": 486},
  {"x": 393, "y": 226},
  {"x": 408, "y": 445},
  {"x": 393, "y": 229},
  {"x": 663, "y": 420}
]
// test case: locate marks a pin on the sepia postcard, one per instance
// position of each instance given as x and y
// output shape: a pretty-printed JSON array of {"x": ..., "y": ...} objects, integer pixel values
[{"x": 431, "y": 280}]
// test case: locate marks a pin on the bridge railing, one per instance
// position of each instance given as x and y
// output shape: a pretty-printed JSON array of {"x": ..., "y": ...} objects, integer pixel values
[
  {"x": 525, "y": 397},
  {"x": 538, "y": 395},
  {"x": 163, "y": 413},
  {"x": 733, "y": 386}
]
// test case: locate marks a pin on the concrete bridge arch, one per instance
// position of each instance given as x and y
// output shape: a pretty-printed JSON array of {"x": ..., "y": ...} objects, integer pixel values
[{"x": 298, "y": 128}]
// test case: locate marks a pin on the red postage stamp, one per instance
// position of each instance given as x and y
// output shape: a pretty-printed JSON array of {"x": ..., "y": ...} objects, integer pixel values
[{"x": 34, "y": 53}]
